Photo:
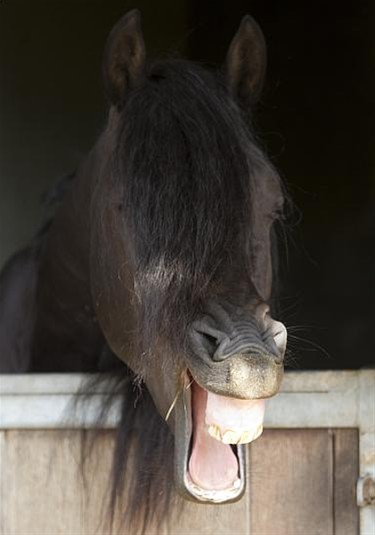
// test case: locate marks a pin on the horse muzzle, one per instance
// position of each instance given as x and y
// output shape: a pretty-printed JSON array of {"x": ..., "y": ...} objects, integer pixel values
[
  {"x": 235, "y": 361},
  {"x": 237, "y": 354}
]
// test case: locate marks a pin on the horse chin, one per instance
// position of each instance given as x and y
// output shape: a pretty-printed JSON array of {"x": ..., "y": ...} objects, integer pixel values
[{"x": 211, "y": 433}]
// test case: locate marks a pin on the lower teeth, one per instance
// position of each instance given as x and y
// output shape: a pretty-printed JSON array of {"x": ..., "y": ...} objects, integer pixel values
[
  {"x": 215, "y": 495},
  {"x": 234, "y": 437}
]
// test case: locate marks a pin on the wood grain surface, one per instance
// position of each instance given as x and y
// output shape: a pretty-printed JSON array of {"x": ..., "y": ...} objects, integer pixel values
[{"x": 302, "y": 482}]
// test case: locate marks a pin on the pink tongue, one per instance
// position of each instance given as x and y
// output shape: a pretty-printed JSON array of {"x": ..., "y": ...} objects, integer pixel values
[{"x": 212, "y": 465}]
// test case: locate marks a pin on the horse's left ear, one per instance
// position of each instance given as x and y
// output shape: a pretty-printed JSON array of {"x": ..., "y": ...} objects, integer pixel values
[
  {"x": 246, "y": 62},
  {"x": 124, "y": 57}
]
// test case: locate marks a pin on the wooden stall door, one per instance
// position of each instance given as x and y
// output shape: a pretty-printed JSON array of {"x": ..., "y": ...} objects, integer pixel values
[{"x": 302, "y": 482}]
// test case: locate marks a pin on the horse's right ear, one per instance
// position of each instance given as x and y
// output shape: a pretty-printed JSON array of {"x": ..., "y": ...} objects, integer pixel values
[{"x": 124, "y": 57}]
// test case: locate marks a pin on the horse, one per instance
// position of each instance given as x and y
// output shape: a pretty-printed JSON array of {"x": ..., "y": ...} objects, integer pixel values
[{"x": 157, "y": 269}]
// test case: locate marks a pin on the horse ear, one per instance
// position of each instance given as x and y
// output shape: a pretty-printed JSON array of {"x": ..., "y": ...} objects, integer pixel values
[
  {"x": 124, "y": 56},
  {"x": 246, "y": 62}
]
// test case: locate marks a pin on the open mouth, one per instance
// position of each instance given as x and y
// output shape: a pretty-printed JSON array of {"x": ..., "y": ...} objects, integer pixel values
[{"x": 212, "y": 466}]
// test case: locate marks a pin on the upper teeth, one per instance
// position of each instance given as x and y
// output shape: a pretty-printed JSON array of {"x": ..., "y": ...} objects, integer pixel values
[{"x": 229, "y": 436}]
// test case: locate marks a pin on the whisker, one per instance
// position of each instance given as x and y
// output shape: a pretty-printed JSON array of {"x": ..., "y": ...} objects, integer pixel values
[
  {"x": 305, "y": 327},
  {"x": 315, "y": 345}
]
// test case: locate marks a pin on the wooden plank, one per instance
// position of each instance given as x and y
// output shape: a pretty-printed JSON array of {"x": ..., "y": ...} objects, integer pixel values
[
  {"x": 42, "y": 383},
  {"x": 198, "y": 519},
  {"x": 96, "y": 490},
  {"x": 366, "y": 419},
  {"x": 292, "y": 483},
  {"x": 286, "y": 410},
  {"x": 346, "y": 470},
  {"x": 70, "y": 383},
  {"x": 45, "y": 493},
  {"x": 95, "y": 481},
  {"x": 302, "y": 482},
  {"x": 42, "y": 494},
  {"x": 315, "y": 381},
  {"x": 55, "y": 411},
  {"x": 190, "y": 519},
  {"x": 307, "y": 400},
  {"x": 3, "y": 463}
]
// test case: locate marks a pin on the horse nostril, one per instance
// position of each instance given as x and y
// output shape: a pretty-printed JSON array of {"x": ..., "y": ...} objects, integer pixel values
[
  {"x": 208, "y": 337},
  {"x": 265, "y": 312},
  {"x": 209, "y": 342}
]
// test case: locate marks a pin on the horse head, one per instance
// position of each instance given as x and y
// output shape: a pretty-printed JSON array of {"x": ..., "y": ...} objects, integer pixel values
[{"x": 182, "y": 215}]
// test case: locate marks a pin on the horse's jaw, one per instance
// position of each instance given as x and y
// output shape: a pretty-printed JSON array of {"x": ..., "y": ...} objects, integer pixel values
[{"x": 210, "y": 459}]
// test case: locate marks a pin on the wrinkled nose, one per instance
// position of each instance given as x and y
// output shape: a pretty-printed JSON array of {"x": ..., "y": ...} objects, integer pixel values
[
  {"x": 223, "y": 335},
  {"x": 237, "y": 351}
]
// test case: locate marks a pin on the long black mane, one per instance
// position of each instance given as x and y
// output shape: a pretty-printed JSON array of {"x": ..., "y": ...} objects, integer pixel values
[{"x": 186, "y": 157}]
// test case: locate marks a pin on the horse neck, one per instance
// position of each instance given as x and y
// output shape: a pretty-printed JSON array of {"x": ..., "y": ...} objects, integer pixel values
[{"x": 66, "y": 335}]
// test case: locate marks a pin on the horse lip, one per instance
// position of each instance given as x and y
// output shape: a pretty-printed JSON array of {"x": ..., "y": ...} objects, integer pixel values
[
  {"x": 241, "y": 376},
  {"x": 183, "y": 435}
]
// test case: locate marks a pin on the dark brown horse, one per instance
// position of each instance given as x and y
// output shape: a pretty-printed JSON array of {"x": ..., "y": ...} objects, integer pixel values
[{"x": 160, "y": 257}]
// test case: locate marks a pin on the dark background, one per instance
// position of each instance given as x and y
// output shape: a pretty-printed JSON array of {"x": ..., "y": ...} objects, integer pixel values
[{"x": 315, "y": 120}]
